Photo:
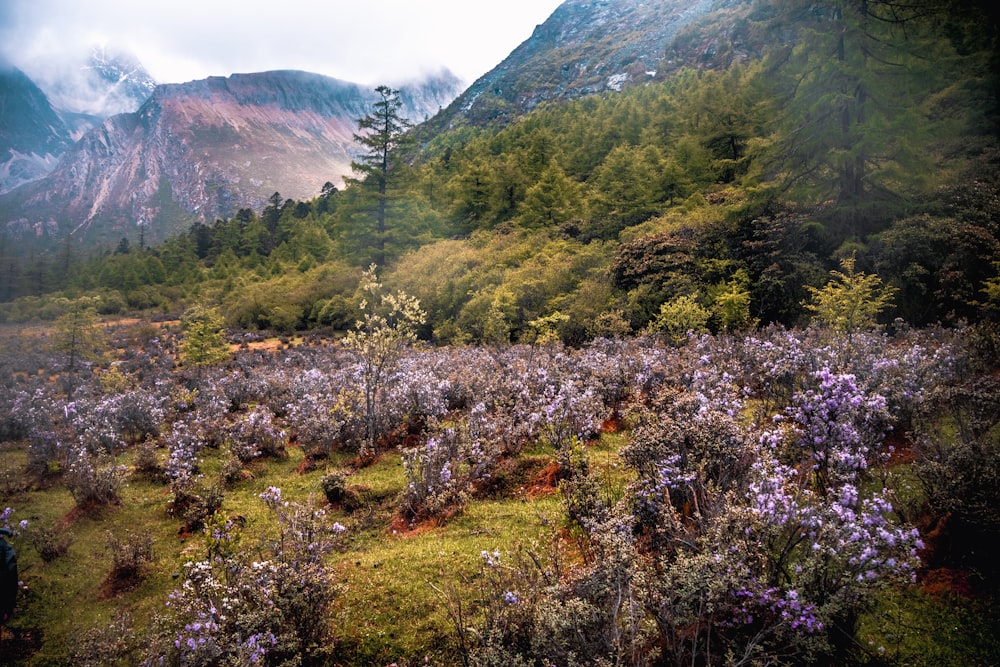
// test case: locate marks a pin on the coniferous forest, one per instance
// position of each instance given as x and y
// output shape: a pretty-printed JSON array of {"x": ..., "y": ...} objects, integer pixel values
[{"x": 701, "y": 372}]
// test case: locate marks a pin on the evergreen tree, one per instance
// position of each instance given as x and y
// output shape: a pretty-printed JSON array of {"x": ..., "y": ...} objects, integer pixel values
[
  {"x": 78, "y": 336},
  {"x": 204, "y": 338},
  {"x": 551, "y": 200},
  {"x": 850, "y": 95},
  {"x": 381, "y": 134}
]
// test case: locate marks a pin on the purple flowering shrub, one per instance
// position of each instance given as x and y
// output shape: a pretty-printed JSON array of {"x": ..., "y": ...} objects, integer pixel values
[
  {"x": 22, "y": 412},
  {"x": 255, "y": 604},
  {"x": 182, "y": 471},
  {"x": 256, "y": 434},
  {"x": 45, "y": 451},
  {"x": 439, "y": 473},
  {"x": 7, "y": 521},
  {"x": 757, "y": 525},
  {"x": 241, "y": 387},
  {"x": 109, "y": 423},
  {"x": 839, "y": 427},
  {"x": 93, "y": 479}
]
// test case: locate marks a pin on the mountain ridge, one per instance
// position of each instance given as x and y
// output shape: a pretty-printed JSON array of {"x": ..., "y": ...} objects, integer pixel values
[
  {"x": 585, "y": 47},
  {"x": 201, "y": 150},
  {"x": 32, "y": 133}
]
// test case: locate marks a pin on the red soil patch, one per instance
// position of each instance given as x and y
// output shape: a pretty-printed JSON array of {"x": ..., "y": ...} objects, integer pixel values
[
  {"x": 404, "y": 528},
  {"x": 112, "y": 587},
  {"x": 902, "y": 449},
  {"x": 613, "y": 424},
  {"x": 945, "y": 581},
  {"x": 77, "y": 511},
  {"x": 546, "y": 482}
]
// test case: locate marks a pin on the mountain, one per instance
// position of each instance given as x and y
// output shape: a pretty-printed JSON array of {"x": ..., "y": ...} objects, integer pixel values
[
  {"x": 43, "y": 114},
  {"x": 203, "y": 150},
  {"x": 32, "y": 133},
  {"x": 592, "y": 46},
  {"x": 102, "y": 84}
]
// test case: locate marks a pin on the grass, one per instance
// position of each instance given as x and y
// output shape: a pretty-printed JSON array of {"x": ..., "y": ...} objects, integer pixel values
[
  {"x": 388, "y": 609},
  {"x": 912, "y": 626}
]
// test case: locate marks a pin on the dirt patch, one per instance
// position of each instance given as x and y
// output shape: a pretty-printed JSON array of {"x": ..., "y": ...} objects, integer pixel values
[
  {"x": 91, "y": 510},
  {"x": 406, "y": 528},
  {"x": 520, "y": 476},
  {"x": 113, "y": 586},
  {"x": 900, "y": 449},
  {"x": 546, "y": 482},
  {"x": 946, "y": 581},
  {"x": 613, "y": 424}
]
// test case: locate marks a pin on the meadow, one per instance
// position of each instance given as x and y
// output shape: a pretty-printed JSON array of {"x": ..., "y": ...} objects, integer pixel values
[{"x": 781, "y": 496}]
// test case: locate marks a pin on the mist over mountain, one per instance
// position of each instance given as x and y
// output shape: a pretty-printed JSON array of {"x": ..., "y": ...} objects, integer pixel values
[
  {"x": 47, "y": 109},
  {"x": 100, "y": 84}
]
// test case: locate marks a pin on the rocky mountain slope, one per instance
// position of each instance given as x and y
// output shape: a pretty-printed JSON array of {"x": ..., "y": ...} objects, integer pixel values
[
  {"x": 32, "y": 134},
  {"x": 592, "y": 46},
  {"x": 203, "y": 150},
  {"x": 43, "y": 113}
]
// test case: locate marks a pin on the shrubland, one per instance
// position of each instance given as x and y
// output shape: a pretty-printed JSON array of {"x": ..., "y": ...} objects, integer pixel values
[{"x": 781, "y": 496}]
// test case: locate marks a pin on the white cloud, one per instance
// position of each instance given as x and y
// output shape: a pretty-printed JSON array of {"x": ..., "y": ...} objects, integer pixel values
[{"x": 367, "y": 42}]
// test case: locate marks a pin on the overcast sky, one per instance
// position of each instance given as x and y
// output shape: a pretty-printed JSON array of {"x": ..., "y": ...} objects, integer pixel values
[{"x": 363, "y": 41}]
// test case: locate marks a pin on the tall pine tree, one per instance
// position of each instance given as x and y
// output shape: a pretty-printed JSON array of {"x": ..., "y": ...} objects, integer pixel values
[
  {"x": 381, "y": 134},
  {"x": 853, "y": 81}
]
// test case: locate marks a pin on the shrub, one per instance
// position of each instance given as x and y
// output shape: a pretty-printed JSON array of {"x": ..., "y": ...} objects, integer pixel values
[
  {"x": 113, "y": 642},
  {"x": 256, "y": 434},
  {"x": 93, "y": 479},
  {"x": 959, "y": 470},
  {"x": 249, "y": 604},
  {"x": 131, "y": 554},
  {"x": 334, "y": 485},
  {"x": 44, "y": 452},
  {"x": 437, "y": 474},
  {"x": 48, "y": 543},
  {"x": 146, "y": 461}
]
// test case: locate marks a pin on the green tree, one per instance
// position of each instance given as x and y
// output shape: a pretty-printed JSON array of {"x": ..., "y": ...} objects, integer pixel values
[
  {"x": 381, "y": 134},
  {"x": 204, "y": 341},
  {"x": 626, "y": 189},
  {"x": 851, "y": 94},
  {"x": 79, "y": 336},
  {"x": 852, "y": 300},
  {"x": 731, "y": 303},
  {"x": 388, "y": 325},
  {"x": 553, "y": 199},
  {"x": 680, "y": 316}
]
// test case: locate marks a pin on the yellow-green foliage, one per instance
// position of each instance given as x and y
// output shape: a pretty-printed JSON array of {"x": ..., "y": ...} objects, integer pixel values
[{"x": 852, "y": 300}]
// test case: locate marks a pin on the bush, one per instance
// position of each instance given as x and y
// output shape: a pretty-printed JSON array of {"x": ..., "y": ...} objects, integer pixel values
[
  {"x": 256, "y": 434},
  {"x": 959, "y": 470},
  {"x": 252, "y": 603},
  {"x": 44, "y": 452},
  {"x": 93, "y": 479},
  {"x": 334, "y": 485},
  {"x": 48, "y": 543},
  {"x": 130, "y": 555}
]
